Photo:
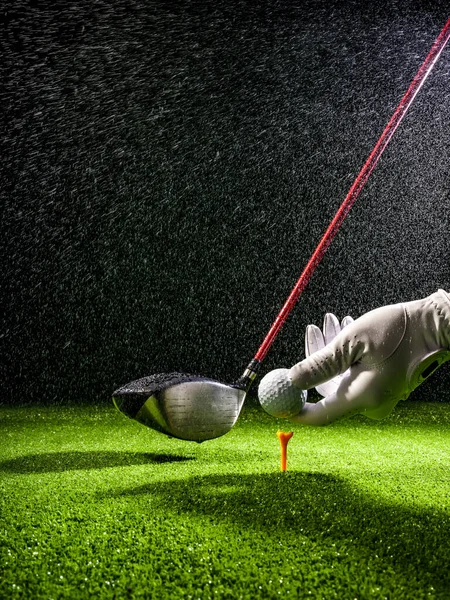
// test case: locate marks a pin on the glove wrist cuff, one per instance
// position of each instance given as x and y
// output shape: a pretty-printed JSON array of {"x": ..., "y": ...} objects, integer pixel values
[{"x": 441, "y": 301}]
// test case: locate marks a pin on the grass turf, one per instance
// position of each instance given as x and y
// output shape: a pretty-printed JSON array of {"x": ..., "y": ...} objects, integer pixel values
[{"x": 95, "y": 505}]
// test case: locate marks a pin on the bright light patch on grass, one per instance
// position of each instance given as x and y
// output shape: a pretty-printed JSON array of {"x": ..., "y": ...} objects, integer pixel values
[{"x": 95, "y": 505}]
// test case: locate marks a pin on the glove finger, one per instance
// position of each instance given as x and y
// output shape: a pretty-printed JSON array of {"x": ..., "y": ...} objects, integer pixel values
[
  {"x": 331, "y": 327},
  {"x": 357, "y": 392},
  {"x": 329, "y": 387},
  {"x": 313, "y": 340},
  {"x": 346, "y": 321},
  {"x": 332, "y": 360}
]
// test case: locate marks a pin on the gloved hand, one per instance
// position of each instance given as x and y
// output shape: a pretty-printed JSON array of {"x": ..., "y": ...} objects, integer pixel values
[{"x": 370, "y": 364}]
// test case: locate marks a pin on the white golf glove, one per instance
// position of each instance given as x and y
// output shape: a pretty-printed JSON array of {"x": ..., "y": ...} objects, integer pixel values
[{"x": 367, "y": 366}]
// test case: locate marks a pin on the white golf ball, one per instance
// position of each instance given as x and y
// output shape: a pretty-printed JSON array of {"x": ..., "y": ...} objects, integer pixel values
[{"x": 278, "y": 395}]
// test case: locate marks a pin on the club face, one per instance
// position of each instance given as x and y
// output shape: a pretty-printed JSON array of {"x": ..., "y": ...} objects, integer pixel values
[{"x": 195, "y": 410}]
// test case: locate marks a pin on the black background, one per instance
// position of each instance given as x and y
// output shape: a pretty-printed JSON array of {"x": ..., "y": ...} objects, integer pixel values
[{"x": 167, "y": 169}]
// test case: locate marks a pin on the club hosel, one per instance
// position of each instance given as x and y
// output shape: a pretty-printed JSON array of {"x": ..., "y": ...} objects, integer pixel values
[{"x": 245, "y": 382}]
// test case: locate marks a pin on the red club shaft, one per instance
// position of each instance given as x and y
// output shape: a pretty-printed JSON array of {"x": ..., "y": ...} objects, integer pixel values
[{"x": 356, "y": 188}]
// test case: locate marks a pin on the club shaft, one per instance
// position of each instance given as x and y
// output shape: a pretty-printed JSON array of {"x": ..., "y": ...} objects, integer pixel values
[{"x": 356, "y": 188}]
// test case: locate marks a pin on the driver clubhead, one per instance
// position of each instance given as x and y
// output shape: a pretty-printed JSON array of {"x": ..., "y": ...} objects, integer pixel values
[{"x": 181, "y": 406}]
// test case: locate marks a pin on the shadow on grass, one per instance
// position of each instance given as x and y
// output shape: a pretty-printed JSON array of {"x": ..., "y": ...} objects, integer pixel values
[
  {"x": 54, "y": 462},
  {"x": 402, "y": 539}
]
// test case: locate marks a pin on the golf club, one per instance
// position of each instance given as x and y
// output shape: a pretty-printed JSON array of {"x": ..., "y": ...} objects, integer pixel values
[{"x": 195, "y": 408}]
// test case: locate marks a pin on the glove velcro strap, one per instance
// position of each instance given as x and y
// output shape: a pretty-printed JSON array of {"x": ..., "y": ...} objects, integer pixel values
[{"x": 418, "y": 372}]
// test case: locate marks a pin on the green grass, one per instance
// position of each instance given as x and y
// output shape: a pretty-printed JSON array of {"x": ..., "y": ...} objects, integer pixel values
[{"x": 94, "y": 505}]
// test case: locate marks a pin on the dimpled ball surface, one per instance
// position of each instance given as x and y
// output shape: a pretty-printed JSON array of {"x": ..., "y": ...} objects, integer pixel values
[{"x": 278, "y": 396}]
